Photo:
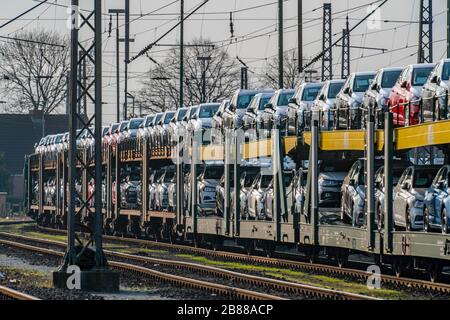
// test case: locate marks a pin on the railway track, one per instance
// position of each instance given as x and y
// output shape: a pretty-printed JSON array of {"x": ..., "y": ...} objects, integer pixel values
[
  {"x": 288, "y": 288},
  {"x": 410, "y": 283},
  {"x": 10, "y": 294}
]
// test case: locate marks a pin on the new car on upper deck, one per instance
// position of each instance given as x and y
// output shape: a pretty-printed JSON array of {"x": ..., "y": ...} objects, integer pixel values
[
  {"x": 275, "y": 111},
  {"x": 202, "y": 119},
  {"x": 217, "y": 122},
  {"x": 325, "y": 102},
  {"x": 404, "y": 100},
  {"x": 435, "y": 93},
  {"x": 251, "y": 122},
  {"x": 232, "y": 116},
  {"x": 349, "y": 100},
  {"x": 300, "y": 105},
  {"x": 377, "y": 96}
]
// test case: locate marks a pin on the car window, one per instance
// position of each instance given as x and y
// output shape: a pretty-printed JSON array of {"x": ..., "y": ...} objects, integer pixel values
[
  {"x": 208, "y": 111},
  {"x": 193, "y": 111},
  {"x": 362, "y": 82},
  {"x": 263, "y": 101},
  {"x": 169, "y": 176},
  {"x": 213, "y": 173},
  {"x": 249, "y": 179},
  {"x": 310, "y": 94},
  {"x": 134, "y": 124},
  {"x": 265, "y": 181},
  {"x": 169, "y": 116},
  {"x": 283, "y": 98},
  {"x": 423, "y": 178},
  {"x": 420, "y": 76},
  {"x": 158, "y": 117},
  {"x": 244, "y": 100},
  {"x": 181, "y": 114},
  {"x": 334, "y": 89},
  {"x": 446, "y": 71},
  {"x": 389, "y": 78},
  {"x": 403, "y": 177}
]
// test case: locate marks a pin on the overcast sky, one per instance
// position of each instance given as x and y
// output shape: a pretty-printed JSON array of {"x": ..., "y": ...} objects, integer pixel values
[{"x": 212, "y": 21}]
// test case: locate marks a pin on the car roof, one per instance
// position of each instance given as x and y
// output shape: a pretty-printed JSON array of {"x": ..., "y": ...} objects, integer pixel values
[{"x": 421, "y": 65}]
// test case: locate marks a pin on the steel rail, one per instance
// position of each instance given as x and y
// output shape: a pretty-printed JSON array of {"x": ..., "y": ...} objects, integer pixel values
[
  {"x": 285, "y": 263},
  {"x": 11, "y": 294},
  {"x": 179, "y": 281},
  {"x": 285, "y": 286}
]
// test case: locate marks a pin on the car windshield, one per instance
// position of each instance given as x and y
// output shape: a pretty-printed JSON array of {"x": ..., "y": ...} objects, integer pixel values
[
  {"x": 135, "y": 176},
  {"x": 114, "y": 127},
  {"x": 265, "y": 181},
  {"x": 193, "y": 111},
  {"x": 123, "y": 126},
  {"x": 213, "y": 173},
  {"x": 334, "y": 89},
  {"x": 169, "y": 176},
  {"x": 310, "y": 94},
  {"x": 424, "y": 178},
  {"x": 181, "y": 114},
  {"x": 158, "y": 117},
  {"x": 134, "y": 124},
  {"x": 263, "y": 101},
  {"x": 244, "y": 100},
  {"x": 148, "y": 122},
  {"x": 420, "y": 76},
  {"x": 362, "y": 82},
  {"x": 169, "y": 116},
  {"x": 208, "y": 111},
  {"x": 249, "y": 178},
  {"x": 59, "y": 139},
  {"x": 283, "y": 99},
  {"x": 157, "y": 175},
  {"x": 389, "y": 78},
  {"x": 446, "y": 71},
  {"x": 337, "y": 166}
]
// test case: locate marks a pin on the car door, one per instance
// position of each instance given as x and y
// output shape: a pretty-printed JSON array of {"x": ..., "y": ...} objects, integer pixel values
[
  {"x": 341, "y": 104},
  {"x": 397, "y": 190},
  {"x": 403, "y": 196},
  {"x": 347, "y": 199},
  {"x": 440, "y": 189},
  {"x": 394, "y": 97}
]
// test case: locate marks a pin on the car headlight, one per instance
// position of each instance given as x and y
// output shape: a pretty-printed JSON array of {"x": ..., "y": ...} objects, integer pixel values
[
  {"x": 329, "y": 183},
  {"x": 418, "y": 204}
]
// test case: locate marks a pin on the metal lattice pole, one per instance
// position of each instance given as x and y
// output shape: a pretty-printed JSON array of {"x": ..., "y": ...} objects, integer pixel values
[
  {"x": 345, "y": 65},
  {"x": 327, "y": 64}
]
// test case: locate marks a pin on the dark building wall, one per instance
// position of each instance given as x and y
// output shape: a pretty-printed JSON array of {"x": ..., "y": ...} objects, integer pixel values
[{"x": 20, "y": 132}]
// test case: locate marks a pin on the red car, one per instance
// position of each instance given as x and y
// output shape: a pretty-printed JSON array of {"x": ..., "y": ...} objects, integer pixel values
[{"x": 404, "y": 100}]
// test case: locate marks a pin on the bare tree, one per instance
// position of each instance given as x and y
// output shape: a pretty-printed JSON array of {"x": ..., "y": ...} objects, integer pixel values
[
  {"x": 160, "y": 87},
  {"x": 36, "y": 71},
  {"x": 290, "y": 73}
]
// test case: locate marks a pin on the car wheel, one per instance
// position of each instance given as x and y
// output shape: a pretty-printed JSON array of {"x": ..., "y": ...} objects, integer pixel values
[
  {"x": 426, "y": 220},
  {"x": 407, "y": 220},
  {"x": 444, "y": 221}
]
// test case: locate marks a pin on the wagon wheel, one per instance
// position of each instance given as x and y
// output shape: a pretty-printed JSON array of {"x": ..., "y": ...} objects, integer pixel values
[
  {"x": 397, "y": 267},
  {"x": 341, "y": 257}
]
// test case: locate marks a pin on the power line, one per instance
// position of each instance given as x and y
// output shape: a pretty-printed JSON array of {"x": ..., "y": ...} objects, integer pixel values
[{"x": 22, "y": 14}]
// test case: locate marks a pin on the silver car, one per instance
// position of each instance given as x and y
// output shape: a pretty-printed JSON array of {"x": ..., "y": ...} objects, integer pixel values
[
  {"x": 325, "y": 102},
  {"x": 269, "y": 197},
  {"x": 257, "y": 194},
  {"x": 207, "y": 184},
  {"x": 162, "y": 189},
  {"x": 409, "y": 196}
]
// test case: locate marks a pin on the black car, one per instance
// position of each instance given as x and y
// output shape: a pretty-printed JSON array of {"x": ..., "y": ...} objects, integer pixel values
[{"x": 434, "y": 96}]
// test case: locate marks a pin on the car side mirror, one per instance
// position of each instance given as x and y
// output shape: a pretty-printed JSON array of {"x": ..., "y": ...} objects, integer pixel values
[
  {"x": 434, "y": 79},
  {"x": 268, "y": 106},
  {"x": 219, "y": 113},
  {"x": 351, "y": 182},
  {"x": 347, "y": 90},
  {"x": 232, "y": 107},
  {"x": 404, "y": 84},
  {"x": 405, "y": 186},
  {"x": 293, "y": 101},
  {"x": 141, "y": 126},
  {"x": 322, "y": 97},
  {"x": 377, "y": 184},
  {"x": 441, "y": 185}
]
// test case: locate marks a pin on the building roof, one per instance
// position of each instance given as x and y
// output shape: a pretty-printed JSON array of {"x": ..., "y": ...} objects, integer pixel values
[{"x": 19, "y": 133}]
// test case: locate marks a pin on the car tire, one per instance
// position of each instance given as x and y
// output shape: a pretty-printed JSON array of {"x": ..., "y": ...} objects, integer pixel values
[{"x": 444, "y": 221}]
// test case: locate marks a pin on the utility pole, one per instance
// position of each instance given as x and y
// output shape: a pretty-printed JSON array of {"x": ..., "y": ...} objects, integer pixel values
[
  {"x": 448, "y": 28},
  {"x": 345, "y": 65},
  {"x": 280, "y": 45},
  {"x": 327, "y": 61},
  {"x": 425, "y": 54},
  {"x": 127, "y": 53},
  {"x": 300, "y": 35},
  {"x": 203, "y": 60},
  {"x": 117, "y": 12},
  {"x": 244, "y": 78},
  {"x": 182, "y": 53}
]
